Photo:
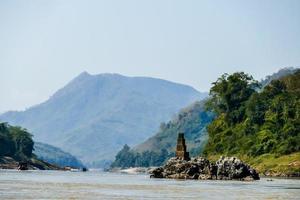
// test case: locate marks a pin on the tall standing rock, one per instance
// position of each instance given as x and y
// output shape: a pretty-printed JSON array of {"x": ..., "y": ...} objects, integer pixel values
[{"x": 181, "y": 148}]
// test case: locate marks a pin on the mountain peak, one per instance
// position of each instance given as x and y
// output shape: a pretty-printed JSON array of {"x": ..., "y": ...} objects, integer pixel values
[
  {"x": 84, "y": 74},
  {"x": 93, "y": 116}
]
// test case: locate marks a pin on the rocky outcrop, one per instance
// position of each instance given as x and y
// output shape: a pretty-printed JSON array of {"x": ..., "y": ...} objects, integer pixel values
[
  {"x": 226, "y": 168},
  {"x": 30, "y": 164}
]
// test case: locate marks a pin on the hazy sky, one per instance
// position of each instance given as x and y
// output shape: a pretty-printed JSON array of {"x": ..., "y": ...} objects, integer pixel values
[{"x": 44, "y": 44}]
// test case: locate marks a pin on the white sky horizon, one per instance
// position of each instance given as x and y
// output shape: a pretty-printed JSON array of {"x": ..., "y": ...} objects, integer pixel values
[{"x": 45, "y": 44}]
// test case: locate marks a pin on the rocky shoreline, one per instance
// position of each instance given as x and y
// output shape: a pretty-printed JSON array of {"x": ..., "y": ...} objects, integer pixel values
[
  {"x": 32, "y": 164},
  {"x": 270, "y": 173},
  {"x": 226, "y": 168}
]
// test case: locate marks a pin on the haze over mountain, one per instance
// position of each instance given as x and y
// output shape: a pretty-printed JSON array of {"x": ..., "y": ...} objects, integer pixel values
[
  {"x": 93, "y": 116},
  {"x": 55, "y": 155}
]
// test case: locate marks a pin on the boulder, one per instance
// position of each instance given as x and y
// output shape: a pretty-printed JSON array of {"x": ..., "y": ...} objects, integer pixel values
[
  {"x": 23, "y": 166},
  {"x": 226, "y": 168}
]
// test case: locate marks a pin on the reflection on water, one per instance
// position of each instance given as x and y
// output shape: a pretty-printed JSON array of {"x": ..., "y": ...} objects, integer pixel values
[{"x": 100, "y": 185}]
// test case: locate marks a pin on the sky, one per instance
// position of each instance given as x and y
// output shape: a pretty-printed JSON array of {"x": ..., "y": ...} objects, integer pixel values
[{"x": 45, "y": 44}]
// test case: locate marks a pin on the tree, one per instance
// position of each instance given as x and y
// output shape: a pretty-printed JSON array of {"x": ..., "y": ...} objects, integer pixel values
[
  {"x": 125, "y": 158},
  {"x": 229, "y": 94},
  {"x": 255, "y": 122},
  {"x": 15, "y": 142}
]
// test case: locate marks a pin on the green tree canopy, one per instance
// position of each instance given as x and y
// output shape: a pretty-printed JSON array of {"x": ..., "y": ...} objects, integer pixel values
[
  {"x": 254, "y": 122},
  {"x": 229, "y": 94},
  {"x": 15, "y": 142}
]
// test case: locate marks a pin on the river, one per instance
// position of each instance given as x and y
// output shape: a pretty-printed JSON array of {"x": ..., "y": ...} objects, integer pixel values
[{"x": 102, "y": 185}]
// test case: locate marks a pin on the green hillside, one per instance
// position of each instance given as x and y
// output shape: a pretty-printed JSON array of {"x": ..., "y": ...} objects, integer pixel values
[
  {"x": 277, "y": 75},
  {"x": 191, "y": 120},
  {"x": 254, "y": 124},
  {"x": 16, "y": 145},
  {"x": 258, "y": 124},
  {"x": 15, "y": 142},
  {"x": 55, "y": 155}
]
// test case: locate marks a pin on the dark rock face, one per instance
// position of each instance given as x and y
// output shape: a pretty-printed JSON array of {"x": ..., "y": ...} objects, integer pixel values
[
  {"x": 232, "y": 168},
  {"x": 23, "y": 166},
  {"x": 226, "y": 168}
]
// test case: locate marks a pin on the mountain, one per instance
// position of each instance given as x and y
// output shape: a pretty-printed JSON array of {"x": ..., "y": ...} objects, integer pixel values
[
  {"x": 93, "y": 116},
  {"x": 191, "y": 120},
  {"x": 55, "y": 155}
]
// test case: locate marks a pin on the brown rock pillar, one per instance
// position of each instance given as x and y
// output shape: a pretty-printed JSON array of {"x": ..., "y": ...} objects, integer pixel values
[{"x": 181, "y": 148}]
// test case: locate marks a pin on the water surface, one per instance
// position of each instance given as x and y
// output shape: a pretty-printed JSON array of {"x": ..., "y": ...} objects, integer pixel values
[{"x": 101, "y": 185}]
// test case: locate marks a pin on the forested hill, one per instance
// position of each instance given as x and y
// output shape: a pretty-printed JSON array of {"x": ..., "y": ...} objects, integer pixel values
[
  {"x": 15, "y": 142},
  {"x": 194, "y": 119},
  {"x": 191, "y": 120},
  {"x": 277, "y": 75},
  {"x": 264, "y": 125},
  {"x": 93, "y": 116},
  {"x": 16, "y": 145},
  {"x": 56, "y": 156}
]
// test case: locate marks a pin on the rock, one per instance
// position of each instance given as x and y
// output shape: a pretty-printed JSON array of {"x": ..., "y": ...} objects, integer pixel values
[
  {"x": 29, "y": 164},
  {"x": 226, "y": 168},
  {"x": 157, "y": 173},
  {"x": 84, "y": 169},
  {"x": 204, "y": 177},
  {"x": 22, "y": 166}
]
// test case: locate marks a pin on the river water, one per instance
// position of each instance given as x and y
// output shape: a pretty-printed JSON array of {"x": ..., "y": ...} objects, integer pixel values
[{"x": 101, "y": 185}]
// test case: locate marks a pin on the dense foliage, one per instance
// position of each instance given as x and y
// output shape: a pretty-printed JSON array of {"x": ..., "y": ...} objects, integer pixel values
[
  {"x": 15, "y": 142},
  {"x": 277, "y": 75},
  {"x": 128, "y": 158},
  {"x": 252, "y": 122},
  {"x": 191, "y": 120}
]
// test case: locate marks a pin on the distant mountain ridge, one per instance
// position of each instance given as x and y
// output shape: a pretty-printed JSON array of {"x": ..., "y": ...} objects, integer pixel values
[{"x": 93, "y": 116}]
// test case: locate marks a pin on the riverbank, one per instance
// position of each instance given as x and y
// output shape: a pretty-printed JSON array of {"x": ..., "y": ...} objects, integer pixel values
[
  {"x": 267, "y": 165},
  {"x": 31, "y": 164},
  {"x": 270, "y": 165}
]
